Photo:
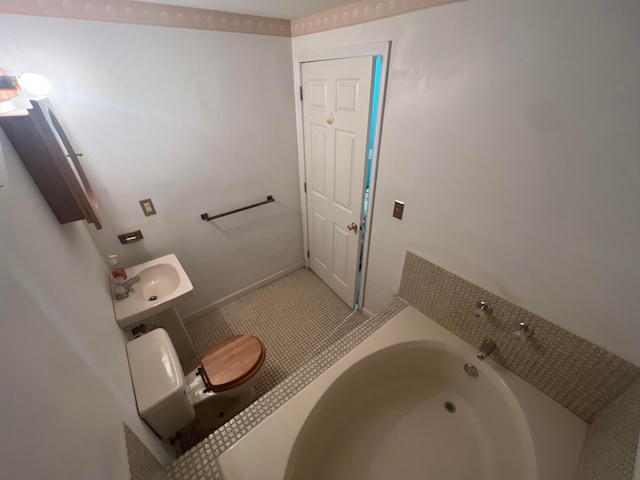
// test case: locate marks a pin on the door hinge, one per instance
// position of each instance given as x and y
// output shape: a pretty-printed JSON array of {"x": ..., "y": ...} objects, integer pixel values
[
  {"x": 308, "y": 256},
  {"x": 305, "y": 187},
  {"x": 300, "y": 92}
]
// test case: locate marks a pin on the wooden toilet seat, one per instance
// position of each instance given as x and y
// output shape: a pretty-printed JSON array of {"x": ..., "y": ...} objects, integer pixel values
[{"x": 232, "y": 362}]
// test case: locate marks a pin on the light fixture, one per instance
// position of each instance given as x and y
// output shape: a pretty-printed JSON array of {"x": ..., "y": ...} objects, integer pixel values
[{"x": 35, "y": 84}]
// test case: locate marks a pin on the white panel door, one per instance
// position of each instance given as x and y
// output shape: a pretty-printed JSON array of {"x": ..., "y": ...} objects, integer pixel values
[{"x": 336, "y": 114}]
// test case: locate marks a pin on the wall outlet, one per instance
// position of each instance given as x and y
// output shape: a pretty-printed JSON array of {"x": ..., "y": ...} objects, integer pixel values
[
  {"x": 147, "y": 207},
  {"x": 398, "y": 209}
]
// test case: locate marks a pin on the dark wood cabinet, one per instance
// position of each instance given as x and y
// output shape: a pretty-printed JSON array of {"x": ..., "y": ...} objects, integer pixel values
[{"x": 45, "y": 149}]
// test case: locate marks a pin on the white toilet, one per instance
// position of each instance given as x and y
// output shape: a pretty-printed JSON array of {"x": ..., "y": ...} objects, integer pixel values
[{"x": 222, "y": 386}]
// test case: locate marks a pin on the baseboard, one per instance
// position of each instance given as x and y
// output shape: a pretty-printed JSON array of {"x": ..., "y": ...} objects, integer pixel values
[
  {"x": 368, "y": 313},
  {"x": 241, "y": 292}
]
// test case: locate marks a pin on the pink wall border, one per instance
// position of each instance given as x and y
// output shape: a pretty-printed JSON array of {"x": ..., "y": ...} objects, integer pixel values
[
  {"x": 359, "y": 12},
  {"x": 125, "y": 11},
  {"x": 139, "y": 13}
]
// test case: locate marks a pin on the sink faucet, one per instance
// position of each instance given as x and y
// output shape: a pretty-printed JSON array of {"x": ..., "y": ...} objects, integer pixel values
[
  {"x": 121, "y": 290},
  {"x": 486, "y": 348}
]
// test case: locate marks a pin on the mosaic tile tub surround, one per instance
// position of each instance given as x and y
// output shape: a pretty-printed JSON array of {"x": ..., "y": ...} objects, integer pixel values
[
  {"x": 552, "y": 360},
  {"x": 577, "y": 374},
  {"x": 609, "y": 451}
]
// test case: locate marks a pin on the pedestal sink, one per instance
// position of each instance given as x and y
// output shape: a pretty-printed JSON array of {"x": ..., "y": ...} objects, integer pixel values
[{"x": 163, "y": 282}]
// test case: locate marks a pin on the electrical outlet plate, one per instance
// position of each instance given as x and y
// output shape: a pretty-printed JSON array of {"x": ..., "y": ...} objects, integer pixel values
[
  {"x": 147, "y": 207},
  {"x": 398, "y": 209}
]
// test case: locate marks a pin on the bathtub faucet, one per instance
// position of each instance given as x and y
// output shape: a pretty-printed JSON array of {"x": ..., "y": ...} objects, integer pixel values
[{"x": 486, "y": 348}]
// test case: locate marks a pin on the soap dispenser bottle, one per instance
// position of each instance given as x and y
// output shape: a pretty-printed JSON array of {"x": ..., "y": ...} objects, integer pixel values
[{"x": 117, "y": 270}]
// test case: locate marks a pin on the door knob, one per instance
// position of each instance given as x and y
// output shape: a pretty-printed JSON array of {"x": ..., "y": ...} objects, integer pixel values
[{"x": 353, "y": 227}]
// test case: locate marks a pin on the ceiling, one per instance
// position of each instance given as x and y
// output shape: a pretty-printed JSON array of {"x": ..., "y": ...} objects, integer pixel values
[{"x": 267, "y": 8}]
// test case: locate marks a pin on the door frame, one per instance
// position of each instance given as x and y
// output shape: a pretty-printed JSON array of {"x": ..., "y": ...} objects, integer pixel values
[{"x": 381, "y": 49}]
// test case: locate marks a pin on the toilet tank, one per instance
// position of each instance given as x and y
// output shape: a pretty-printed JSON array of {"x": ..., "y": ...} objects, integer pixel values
[{"x": 159, "y": 383}]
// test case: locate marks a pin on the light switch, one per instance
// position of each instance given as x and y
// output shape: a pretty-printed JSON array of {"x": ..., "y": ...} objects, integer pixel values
[
  {"x": 398, "y": 209},
  {"x": 147, "y": 207}
]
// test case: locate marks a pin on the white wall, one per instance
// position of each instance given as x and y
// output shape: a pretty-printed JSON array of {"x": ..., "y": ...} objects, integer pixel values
[
  {"x": 66, "y": 387},
  {"x": 511, "y": 132},
  {"x": 199, "y": 121}
]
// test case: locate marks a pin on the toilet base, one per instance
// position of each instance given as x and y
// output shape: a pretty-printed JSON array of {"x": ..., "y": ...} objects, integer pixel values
[{"x": 213, "y": 412}]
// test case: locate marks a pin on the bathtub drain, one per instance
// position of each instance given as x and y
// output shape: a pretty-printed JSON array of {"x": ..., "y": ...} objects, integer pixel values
[{"x": 450, "y": 407}]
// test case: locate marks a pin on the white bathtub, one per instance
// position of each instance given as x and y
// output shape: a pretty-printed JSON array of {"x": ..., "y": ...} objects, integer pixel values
[{"x": 379, "y": 413}]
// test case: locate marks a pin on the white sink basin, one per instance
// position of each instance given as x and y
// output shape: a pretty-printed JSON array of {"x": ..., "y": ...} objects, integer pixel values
[{"x": 162, "y": 283}]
